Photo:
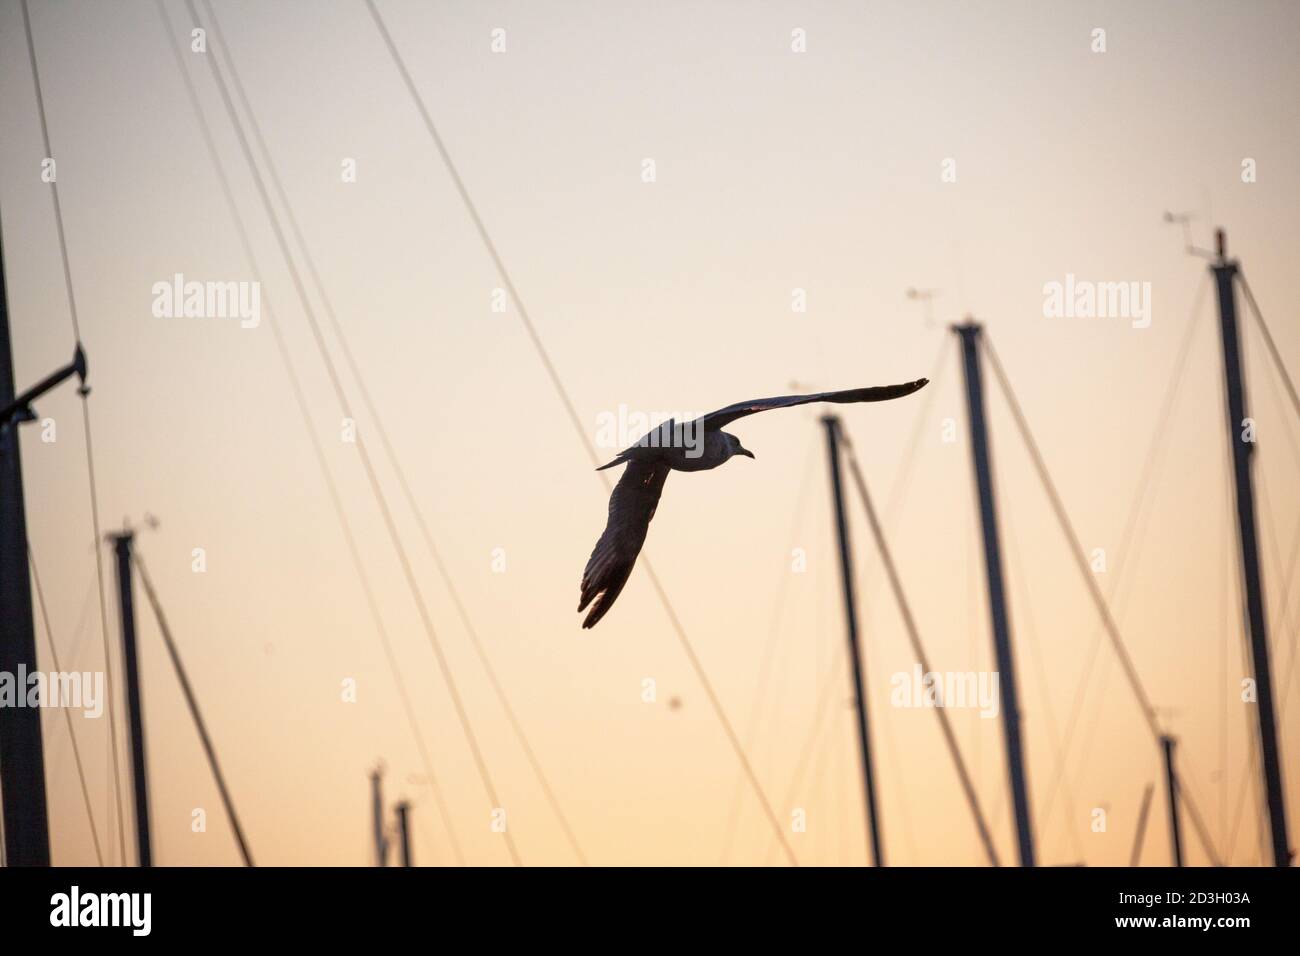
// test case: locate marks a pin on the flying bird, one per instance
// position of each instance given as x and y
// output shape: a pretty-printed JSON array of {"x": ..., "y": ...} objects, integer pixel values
[{"x": 698, "y": 445}]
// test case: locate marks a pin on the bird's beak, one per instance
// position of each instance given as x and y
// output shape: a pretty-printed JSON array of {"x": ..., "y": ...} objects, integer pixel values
[{"x": 746, "y": 452}]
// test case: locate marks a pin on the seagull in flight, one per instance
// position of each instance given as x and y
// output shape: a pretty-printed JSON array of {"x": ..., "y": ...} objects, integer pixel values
[{"x": 698, "y": 445}]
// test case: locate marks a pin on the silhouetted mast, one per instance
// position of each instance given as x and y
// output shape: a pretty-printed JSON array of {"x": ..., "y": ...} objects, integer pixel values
[
  {"x": 122, "y": 542},
  {"x": 404, "y": 831},
  {"x": 832, "y": 424},
  {"x": 1240, "y": 447},
  {"x": 22, "y": 759},
  {"x": 982, "y": 460},
  {"x": 377, "y": 815}
]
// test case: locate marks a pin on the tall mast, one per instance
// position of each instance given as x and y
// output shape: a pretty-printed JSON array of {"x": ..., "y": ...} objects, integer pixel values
[
  {"x": 832, "y": 424},
  {"x": 122, "y": 543},
  {"x": 22, "y": 760},
  {"x": 982, "y": 460},
  {"x": 1241, "y": 448}
]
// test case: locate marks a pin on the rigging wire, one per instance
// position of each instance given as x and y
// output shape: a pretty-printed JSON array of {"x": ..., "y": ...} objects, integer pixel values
[
  {"x": 1287, "y": 579},
  {"x": 69, "y": 656},
  {"x": 814, "y": 735},
  {"x": 85, "y": 609},
  {"x": 1029, "y": 627},
  {"x": 1289, "y": 388},
  {"x": 823, "y": 585},
  {"x": 819, "y": 772},
  {"x": 914, "y": 639},
  {"x": 1144, "y": 809},
  {"x": 897, "y": 493},
  {"x": 67, "y": 711},
  {"x": 84, "y": 392},
  {"x": 1243, "y": 649},
  {"x": 686, "y": 645},
  {"x": 1270, "y": 535},
  {"x": 898, "y": 490},
  {"x": 403, "y": 482},
  {"x": 1281, "y": 612},
  {"x": 381, "y": 499},
  {"x": 1103, "y": 610},
  {"x": 336, "y": 501},
  {"x": 1273, "y": 352},
  {"x": 769, "y": 655},
  {"x": 1282, "y": 595},
  {"x": 882, "y": 725},
  {"x": 898, "y": 779},
  {"x": 1223, "y": 624},
  {"x": 193, "y": 705},
  {"x": 975, "y": 625},
  {"x": 1132, "y": 536},
  {"x": 844, "y": 748}
]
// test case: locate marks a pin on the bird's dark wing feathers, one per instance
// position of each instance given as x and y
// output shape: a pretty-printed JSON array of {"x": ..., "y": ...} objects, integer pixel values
[
  {"x": 724, "y": 416},
  {"x": 631, "y": 506}
]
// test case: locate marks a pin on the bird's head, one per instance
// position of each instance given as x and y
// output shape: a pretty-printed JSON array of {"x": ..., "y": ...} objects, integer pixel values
[{"x": 734, "y": 447}]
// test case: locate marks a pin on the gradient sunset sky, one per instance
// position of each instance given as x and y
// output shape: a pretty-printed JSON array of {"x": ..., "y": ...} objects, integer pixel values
[{"x": 775, "y": 171}]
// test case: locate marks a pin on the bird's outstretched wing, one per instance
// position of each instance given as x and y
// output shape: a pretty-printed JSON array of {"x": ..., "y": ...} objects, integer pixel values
[
  {"x": 631, "y": 506},
  {"x": 724, "y": 416}
]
